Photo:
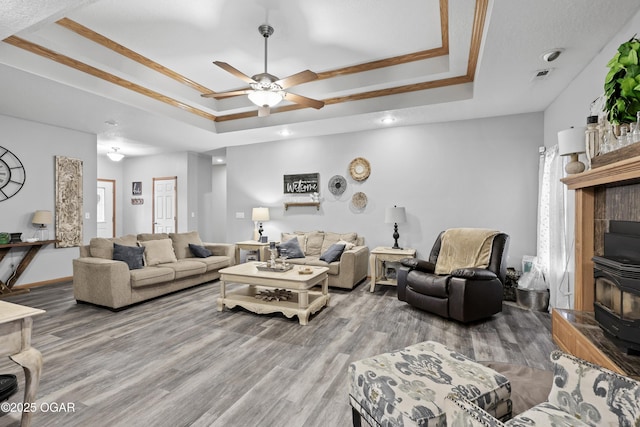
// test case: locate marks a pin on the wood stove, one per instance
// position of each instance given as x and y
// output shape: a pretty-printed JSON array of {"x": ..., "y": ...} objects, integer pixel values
[{"x": 617, "y": 285}]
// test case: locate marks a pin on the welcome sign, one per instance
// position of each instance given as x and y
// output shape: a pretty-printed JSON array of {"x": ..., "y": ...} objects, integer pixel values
[{"x": 301, "y": 183}]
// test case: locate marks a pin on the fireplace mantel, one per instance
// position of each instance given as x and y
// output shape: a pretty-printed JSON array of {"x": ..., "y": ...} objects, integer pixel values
[{"x": 619, "y": 173}]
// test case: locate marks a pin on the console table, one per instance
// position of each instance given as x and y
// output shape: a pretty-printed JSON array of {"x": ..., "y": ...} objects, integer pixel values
[
  {"x": 6, "y": 288},
  {"x": 15, "y": 341}
]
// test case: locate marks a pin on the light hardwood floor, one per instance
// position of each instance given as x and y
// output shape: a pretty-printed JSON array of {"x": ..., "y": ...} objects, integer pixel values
[{"x": 177, "y": 361}]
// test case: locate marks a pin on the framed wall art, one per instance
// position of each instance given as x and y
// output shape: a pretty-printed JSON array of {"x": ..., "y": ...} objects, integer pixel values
[
  {"x": 304, "y": 183},
  {"x": 69, "y": 201},
  {"x": 136, "y": 188}
]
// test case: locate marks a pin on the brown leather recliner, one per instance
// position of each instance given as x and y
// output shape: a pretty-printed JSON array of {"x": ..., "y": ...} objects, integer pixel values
[{"x": 466, "y": 295}]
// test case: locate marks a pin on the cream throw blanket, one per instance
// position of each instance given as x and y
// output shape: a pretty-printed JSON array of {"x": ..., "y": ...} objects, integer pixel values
[{"x": 464, "y": 248}]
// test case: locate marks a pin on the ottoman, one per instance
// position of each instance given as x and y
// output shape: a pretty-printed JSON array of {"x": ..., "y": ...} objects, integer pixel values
[{"x": 407, "y": 387}]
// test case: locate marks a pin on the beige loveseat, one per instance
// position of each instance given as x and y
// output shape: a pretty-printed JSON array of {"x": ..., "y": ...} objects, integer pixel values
[
  {"x": 346, "y": 272},
  {"x": 169, "y": 265}
]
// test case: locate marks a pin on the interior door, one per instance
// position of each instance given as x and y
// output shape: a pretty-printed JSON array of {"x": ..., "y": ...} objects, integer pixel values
[
  {"x": 106, "y": 212},
  {"x": 165, "y": 217}
]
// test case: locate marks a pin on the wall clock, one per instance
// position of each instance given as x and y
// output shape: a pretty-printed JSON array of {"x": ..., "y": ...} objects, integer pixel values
[{"x": 12, "y": 174}]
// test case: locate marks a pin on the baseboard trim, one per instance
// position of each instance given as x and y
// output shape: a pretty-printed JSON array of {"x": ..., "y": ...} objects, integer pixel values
[{"x": 44, "y": 283}]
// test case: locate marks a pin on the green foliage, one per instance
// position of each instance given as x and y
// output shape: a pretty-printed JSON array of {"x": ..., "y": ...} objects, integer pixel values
[{"x": 622, "y": 84}]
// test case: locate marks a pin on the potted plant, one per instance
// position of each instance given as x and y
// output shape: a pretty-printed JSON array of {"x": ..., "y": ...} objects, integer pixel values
[{"x": 622, "y": 84}]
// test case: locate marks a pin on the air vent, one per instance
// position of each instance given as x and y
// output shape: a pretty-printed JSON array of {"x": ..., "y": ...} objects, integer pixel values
[{"x": 542, "y": 74}]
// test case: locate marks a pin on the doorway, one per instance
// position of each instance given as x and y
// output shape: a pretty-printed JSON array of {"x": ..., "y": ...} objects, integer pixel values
[
  {"x": 106, "y": 212},
  {"x": 165, "y": 217}
]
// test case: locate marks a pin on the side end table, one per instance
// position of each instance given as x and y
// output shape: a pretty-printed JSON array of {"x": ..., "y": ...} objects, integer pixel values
[
  {"x": 377, "y": 260},
  {"x": 252, "y": 245}
]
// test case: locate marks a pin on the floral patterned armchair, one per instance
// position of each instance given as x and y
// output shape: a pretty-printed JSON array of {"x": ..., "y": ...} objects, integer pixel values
[{"x": 583, "y": 394}]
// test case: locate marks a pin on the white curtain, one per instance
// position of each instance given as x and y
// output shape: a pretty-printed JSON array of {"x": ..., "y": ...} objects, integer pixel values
[{"x": 553, "y": 249}]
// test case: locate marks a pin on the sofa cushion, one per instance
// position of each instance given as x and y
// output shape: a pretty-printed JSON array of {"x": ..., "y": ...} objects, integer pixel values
[
  {"x": 186, "y": 268},
  {"x": 143, "y": 237},
  {"x": 333, "y": 253},
  {"x": 291, "y": 249},
  {"x": 545, "y": 414},
  {"x": 216, "y": 262},
  {"x": 100, "y": 247},
  {"x": 158, "y": 252},
  {"x": 132, "y": 255},
  {"x": 148, "y": 276},
  {"x": 334, "y": 267},
  {"x": 181, "y": 243},
  {"x": 199, "y": 251},
  {"x": 332, "y": 238},
  {"x": 314, "y": 243}
]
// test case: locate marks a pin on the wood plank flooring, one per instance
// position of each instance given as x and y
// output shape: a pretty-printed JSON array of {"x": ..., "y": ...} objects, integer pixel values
[{"x": 177, "y": 361}]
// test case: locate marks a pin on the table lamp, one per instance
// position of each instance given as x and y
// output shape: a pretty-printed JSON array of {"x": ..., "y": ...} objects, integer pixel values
[
  {"x": 257, "y": 216},
  {"x": 41, "y": 219},
  {"x": 394, "y": 216},
  {"x": 571, "y": 142}
]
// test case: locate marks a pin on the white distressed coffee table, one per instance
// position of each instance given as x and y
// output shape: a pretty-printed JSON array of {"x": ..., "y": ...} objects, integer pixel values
[{"x": 249, "y": 279}]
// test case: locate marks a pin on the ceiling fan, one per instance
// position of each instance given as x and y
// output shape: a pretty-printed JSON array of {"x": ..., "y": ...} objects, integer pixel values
[{"x": 266, "y": 90}]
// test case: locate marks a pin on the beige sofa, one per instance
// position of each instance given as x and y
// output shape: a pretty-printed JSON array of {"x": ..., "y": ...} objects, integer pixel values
[
  {"x": 346, "y": 272},
  {"x": 169, "y": 265}
]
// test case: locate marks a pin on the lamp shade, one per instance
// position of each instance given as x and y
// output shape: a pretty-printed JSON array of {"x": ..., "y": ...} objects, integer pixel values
[
  {"x": 260, "y": 214},
  {"x": 571, "y": 141},
  {"x": 395, "y": 215},
  {"x": 42, "y": 217}
]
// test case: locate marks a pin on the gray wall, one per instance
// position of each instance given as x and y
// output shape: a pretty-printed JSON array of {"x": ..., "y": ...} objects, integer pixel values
[
  {"x": 572, "y": 107},
  {"x": 193, "y": 172},
  {"x": 477, "y": 173},
  {"x": 36, "y": 145}
]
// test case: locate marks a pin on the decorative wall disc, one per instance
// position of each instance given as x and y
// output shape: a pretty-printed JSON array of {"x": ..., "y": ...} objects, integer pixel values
[
  {"x": 359, "y": 200},
  {"x": 12, "y": 174},
  {"x": 359, "y": 168},
  {"x": 337, "y": 185}
]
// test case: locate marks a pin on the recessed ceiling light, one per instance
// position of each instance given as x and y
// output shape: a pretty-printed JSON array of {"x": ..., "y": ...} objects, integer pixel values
[
  {"x": 285, "y": 132},
  {"x": 111, "y": 122},
  {"x": 387, "y": 120},
  {"x": 552, "y": 55}
]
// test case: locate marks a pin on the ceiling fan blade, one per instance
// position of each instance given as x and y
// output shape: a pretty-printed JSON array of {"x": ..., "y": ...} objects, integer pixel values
[
  {"x": 297, "y": 79},
  {"x": 239, "y": 74},
  {"x": 221, "y": 95},
  {"x": 303, "y": 100}
]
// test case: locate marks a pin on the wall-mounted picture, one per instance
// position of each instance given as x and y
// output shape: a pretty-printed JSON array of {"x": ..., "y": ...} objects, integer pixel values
[
  {"x": 303, "y": 183},
  {"x": 136, "y": 188}
]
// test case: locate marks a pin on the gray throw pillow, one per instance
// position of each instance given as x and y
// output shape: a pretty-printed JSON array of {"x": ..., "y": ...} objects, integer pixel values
[
  {"x": 291, "y": 249},
  {"x": 199, "y": 251},
  {"x": 132, "y": 255},
  {"x": 333, "y": 253}
]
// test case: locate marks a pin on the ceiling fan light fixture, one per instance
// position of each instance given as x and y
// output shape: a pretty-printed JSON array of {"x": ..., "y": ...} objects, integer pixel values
[
  {"x": 265, "y": 98},
  {"x": 114, "y": 155}
]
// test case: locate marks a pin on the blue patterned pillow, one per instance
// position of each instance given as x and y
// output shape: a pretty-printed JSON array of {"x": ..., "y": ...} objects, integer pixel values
[
  {"x": 199, "y": 251},
  {"x": 333, "y": 253},
  {"x": 291, "y": 249},
  {"x": 132, "y": 255}
]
